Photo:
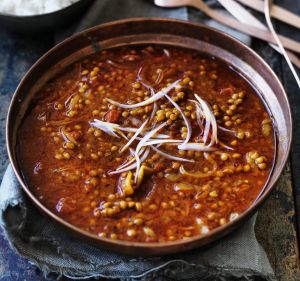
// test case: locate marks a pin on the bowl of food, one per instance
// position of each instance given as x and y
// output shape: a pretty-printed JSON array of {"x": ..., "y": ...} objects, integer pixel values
[
  {"x": 37, "y": 16},
  {"x": 149, "y": 136}
]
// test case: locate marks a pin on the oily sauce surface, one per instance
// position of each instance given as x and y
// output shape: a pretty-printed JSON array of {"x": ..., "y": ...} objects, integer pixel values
[{"x": 67, "y": 160}]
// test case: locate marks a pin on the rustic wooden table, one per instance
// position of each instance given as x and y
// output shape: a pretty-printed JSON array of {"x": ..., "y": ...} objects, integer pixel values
[{"x": 277, "y": 225}]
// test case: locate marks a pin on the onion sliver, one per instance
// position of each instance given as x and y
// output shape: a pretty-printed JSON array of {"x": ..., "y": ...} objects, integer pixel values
[
  {"x": 154, "y": 105},
  {"x": 227, "y": 130},
  {"x": 182, "y": 186},
  {"x": 199, "y": 175},
  {"x": 133, "y": 130},
  {"x": 169, "y": 156},
  {"x": 122, "y": 134},
  {"x": 132, "y": 166},
  {"x": 62, "y": 132},
  {"x": 207, "y": 120},
  {"x": 199, "y": 114},
  {"x": 196, "y": 146},
  {"x": 68, "y": 100},
  {"x": 142, "y": 144},
  {"x": 209, "y": 116},
  {"x": 152, "y": 142},
  {"x": 159, "y": 78},
  {"x": 214, "y": 130},
  {"x": 112, "y": 127},
  {"x": 148, "y": 136},
  {"x": 117, "y": 65},
  {"x": 152, "y": 94},
  {"x": 225, "y": 146},
  {"x": 157, "y": 136},
  {"x": 152, "y": 99},
  {"x": 187, "y": 122},
  {"x": 105, "y": 127},
  {"x": 167, "y": 53},
  {"x": 132, "y": 160},
  {"x": 134, "y": 136}
]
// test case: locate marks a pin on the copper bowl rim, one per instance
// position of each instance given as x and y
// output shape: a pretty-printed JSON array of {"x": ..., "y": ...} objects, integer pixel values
[{"x": 213, "y": 234}]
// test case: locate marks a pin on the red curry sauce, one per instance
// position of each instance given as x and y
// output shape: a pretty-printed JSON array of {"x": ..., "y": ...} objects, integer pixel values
[{"x": 180, "y": 189}]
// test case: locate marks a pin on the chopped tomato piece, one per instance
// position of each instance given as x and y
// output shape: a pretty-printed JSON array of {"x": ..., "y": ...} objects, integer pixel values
[
  {"x": 65, "y": 205},
  {"x": 76, "y": 135},
  {"x": 112, "y": 116},
  {"x": 159, "y": 166},
  {"x": 226, "y": 91}
]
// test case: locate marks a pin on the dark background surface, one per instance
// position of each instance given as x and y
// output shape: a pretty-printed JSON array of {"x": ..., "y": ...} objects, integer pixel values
[{"x": 19, "y": 52}]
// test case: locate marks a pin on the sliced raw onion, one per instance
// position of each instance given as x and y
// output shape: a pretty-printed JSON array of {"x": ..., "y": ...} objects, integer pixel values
[
  {"x": 227, "y": 130},
  {"x": 106, "y": 127},
  {"x": 132, "y": 160},
  {"x": 115, "y": 127},
  {"x": 152, "y": 142},
  {"x": 196, "y": 146},
  {"x": 61, "y": 129},
  {"x": 138, "y": 131},
  {"x": 133, "y": 130},
  {"x": 117, "y": 65},
  {"x": 68, "y": 100},
  {"x": 148, "y": 87},
  {"x": 148, "y": 136},
  {"x": 199, "y": 174},
  {"x": 214, "y": 138},
  {"x": 225, "y": 146},
  {"x": 59, "y": 122},
  {"x": 157, "y": 136},
  {"x": 122, "y": 134},
  {"x": 210, "y": 118},
  {"x": 127, "y": 129},
  {"x": 142, "y": 144},
  {"x": 207, "y": 122},
  {"x": 159, "y": 78},
  {"x": 169, "y": 156},
  {"x": 167, "y": 53},
  {"x": 161, "y": 136},
  {"x": 197, "y": 104},
  {"x": 71, "y": 102},
  {"x": 152, "y": 94},
  {"x": 132, "y": 166},
  {"x": 139, "y": 77},
  {"x": 152, "y": 99},
  {"x": 199, "y": 115},
  {"x": 187, "y": 122},
  {"x": 184, "y": 186},
  {"x": 67, "y": 137},
  {"x": 138, "y": 165},
  {"x": 154, "y": 106}
]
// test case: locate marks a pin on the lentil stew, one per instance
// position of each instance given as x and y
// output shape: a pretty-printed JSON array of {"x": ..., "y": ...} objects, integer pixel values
[{"x": 147, "y": 144}]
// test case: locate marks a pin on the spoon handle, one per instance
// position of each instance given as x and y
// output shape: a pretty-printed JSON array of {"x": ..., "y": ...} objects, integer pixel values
[
  {"x": 276, "y": 12},
  {"x": 250, "y": 30},
  {"x": 244, "y": 16}
]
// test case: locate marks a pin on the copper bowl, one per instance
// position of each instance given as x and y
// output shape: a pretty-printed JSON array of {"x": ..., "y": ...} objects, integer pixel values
[{"x": 155, "y": 31}]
